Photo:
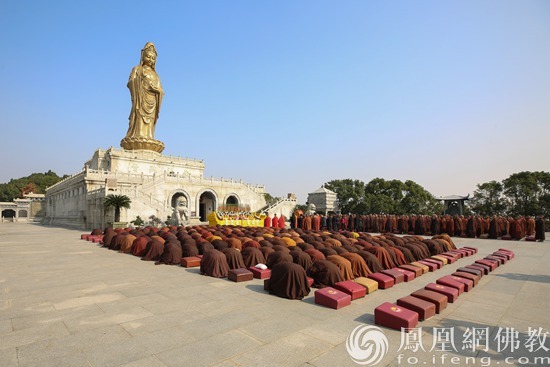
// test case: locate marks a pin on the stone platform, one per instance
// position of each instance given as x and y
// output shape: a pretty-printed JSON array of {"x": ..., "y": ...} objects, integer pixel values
[{"x": 68, "y": 302}]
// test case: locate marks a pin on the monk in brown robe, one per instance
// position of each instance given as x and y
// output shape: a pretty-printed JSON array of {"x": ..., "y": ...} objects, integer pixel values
[
  {"x": 154, "y": 250},
  {"x": 252, "y": 257},
  {"x": 324, "y": 274},
  {"x": 172, "y": 253},
  {"x": 539, "y": 229},
  {"x": 301, "y": 258},
  {"x": 315, "y": 254},
  {"x": 359, "y": 267},
  {"x": 278, "y": 257},
  {"x": 371, "y": 260},
  {"x": 139, "y": 246},
  {"x": 234, "y": 258},
  {"x": 343, "y": 264},
  {"x": 383, "y": 256},
  {"x": 288, "y": 280},
  {"x": 214, "y": 264}
]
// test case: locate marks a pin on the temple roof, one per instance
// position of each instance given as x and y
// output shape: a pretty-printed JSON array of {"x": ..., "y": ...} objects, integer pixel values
[
  {"x": 454, "y": 197},
  {"x": 322, "y": 190}
]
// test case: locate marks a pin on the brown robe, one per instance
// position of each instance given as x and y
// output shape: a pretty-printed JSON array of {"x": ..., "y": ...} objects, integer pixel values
[
  {"x": 234, "y": 258},
  {"x": 214, "y": 264},
  {"x": 324, "y": 274},
  {"x": 288, "y": 280},
  {"x": 301, "y": 258},
  {"x": 383, "y": 256},
  {"x": 252, "y": 257},
  {"x": 139, "y": 246},
  {"x": 154, "y": 250},
  {"x": 371, "y": 260},
  {"x": 343, "y": 264},
  {"x": 358, "y": 265},
  {"x": 126, "y": 243},
  {"x": 278, "y": 257},
  {"x": 315, "y": 254},
  {"x": 171, "y": 254}
]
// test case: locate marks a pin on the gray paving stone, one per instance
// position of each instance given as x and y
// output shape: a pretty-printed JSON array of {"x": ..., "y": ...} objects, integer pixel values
[
  {"x": 30, "y": 320},
  {"x": 107, "y": 319},
  {"x": 211, "y": 350},
  {"x": 151, "y": 361},
  {"x": 291, "y": 350},
  {"x": 31, "y": 335},
  {"x": 134, "y": 349},
  {"x": 8, "y": 357},
  {"x": 114, "y": 309},
  {"x": 6, "y": 326}
]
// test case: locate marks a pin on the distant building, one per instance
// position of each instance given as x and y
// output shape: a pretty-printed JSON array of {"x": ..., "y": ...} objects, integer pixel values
[
  {"x": 29, "y": 209},
  {"x": 454, "y": 204},
  {"x": 324, "y": 200}
]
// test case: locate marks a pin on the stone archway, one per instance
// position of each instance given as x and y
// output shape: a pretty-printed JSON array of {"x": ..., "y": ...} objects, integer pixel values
[
  {"x": 231, "y": 203},
  {"x": 8, "y": 214},
  {"x": 231, "y": 200},
  {"x": 207, "y": 204},
  {"x": 180, "y": 206}
]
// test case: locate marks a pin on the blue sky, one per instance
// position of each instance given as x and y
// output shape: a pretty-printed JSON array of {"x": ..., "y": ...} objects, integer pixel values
[{"x": 289, "y": 94}]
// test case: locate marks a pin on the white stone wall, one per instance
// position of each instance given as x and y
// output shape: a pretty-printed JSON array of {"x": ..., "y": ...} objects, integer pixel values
[{"x": 149, "y": 179}]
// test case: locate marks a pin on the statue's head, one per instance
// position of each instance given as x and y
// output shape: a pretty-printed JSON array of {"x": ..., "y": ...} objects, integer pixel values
[
  {"x": 181, "y": 201},
  {"x": 149, "y": 55}
]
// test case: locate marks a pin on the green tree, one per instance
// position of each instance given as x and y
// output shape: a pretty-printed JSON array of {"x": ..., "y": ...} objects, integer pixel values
[
  {"x": 269, "y": 200},
  {"x": 117, "y": 202},
  {"x": 383, "y": 197},
  {"x": 488, "y": 199},
  {"x": 138, "y": 222},
  {"x": 36, "y": 182},
  {"x": 417, "y": 200},
  {"x": 350, "y": 193},
  {"x": 528, "y": 193}
]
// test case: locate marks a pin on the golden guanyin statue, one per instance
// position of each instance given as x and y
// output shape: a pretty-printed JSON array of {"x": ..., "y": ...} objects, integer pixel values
[{"x": 147, "y": 93}]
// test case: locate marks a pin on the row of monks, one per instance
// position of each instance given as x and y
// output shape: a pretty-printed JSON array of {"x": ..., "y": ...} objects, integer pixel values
[
  {"x": 291, "y": 254},
  {"x": 425, "y": 225}
]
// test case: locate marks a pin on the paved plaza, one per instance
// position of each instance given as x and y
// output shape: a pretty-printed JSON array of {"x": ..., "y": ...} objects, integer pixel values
[{"x": 69, "y": 302}]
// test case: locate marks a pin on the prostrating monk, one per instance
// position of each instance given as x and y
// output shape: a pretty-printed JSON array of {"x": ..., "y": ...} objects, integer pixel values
[
  {"x": 301, "y": 258},
  {"x": 278, "y": 257},
  {"x": 252, "y": 257},
  {"x": 288, "y": 280},
  {"x": 359, "y": 267},
  {"x": 126, "y": 243},
  {"x": 172, "y": 253},
  {"x": 234, "y": 258},
  {"x": 139, "y": 246},
  {"x": 154, "y": 250},
  {"x": 343, "y": 264},
  {"x": 371, "y": 260},
  {"x": 315, "y": 254},
  {"x": 214, "y": 264},
  {"x": 382, "y": 255},
  {"x": 189, "y": 250},
  {"x": 204, "y": 247},
  {"x": 324, "y": 274}
]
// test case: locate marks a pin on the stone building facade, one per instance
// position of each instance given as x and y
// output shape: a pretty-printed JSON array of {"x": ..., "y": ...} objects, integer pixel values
[
  {"x": 29, "y": 209},
  {"x": 324, "y": 200},
  {"x": 155, "y": 183}
]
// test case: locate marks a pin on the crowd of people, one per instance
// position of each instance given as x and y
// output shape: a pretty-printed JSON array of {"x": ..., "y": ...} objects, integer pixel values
[
  {"x": 292, "y": 255},
  {"x": 426, "y": 225}
]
